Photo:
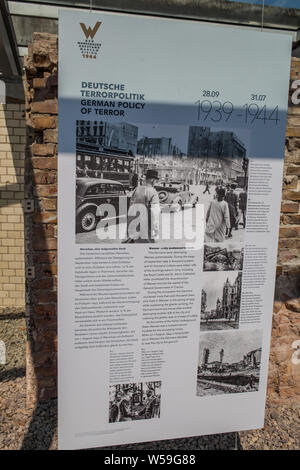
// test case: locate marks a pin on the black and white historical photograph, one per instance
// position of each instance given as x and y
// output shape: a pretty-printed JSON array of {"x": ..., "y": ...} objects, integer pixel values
[
  {"x": 229, "y": 362},
  {"x": 134, "y": 401},
  {"x": 223, "y": 257},
  {"x": 222, "y": 157},
  {"x": 220, "y": 301},
  {"x": 163, "y": 170}
]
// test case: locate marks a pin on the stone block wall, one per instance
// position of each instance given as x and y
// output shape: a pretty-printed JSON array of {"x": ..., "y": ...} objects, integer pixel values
[
  {"x": 12, "y": 153},
  {"x": 41, "y": 235}
]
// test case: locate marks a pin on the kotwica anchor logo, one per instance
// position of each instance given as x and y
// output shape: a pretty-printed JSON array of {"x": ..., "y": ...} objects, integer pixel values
[{"x": 89, "y": 48}]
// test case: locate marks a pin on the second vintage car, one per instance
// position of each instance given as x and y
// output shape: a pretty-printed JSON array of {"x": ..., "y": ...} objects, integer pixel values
[{"x": 175, "y": 195}]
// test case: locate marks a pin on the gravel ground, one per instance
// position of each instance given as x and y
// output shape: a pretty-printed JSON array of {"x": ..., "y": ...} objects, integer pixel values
[{"x": 27, "y": 429}]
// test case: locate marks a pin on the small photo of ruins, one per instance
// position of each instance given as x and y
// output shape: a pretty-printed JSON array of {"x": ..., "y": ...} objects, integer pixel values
[
  {"x": 134, "y": 401},
  {"x": 221, "y": 301},
  {"x": 229, "y": 362},
  {"x": 223, "y": 257}
]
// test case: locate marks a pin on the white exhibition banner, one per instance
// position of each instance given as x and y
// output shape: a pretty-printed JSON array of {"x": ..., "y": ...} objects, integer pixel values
[{"x": 171, "y": 144}]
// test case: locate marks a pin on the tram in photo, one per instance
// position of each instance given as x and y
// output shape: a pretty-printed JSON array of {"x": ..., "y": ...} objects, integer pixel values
[{"x": 107, "y": 163}]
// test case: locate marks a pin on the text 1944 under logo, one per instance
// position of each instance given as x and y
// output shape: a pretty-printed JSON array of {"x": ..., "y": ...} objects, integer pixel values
[{"x": 89, "y": 48}]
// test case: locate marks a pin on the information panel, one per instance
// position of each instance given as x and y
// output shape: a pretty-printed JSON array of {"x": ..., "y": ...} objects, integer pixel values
[{"x": 171, "y": 144}]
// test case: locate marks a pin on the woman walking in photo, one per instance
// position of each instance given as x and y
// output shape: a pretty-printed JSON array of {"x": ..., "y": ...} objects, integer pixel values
[{"x": 217, "y": 218}]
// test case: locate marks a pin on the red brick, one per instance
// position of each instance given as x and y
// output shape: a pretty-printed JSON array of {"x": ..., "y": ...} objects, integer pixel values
[
  {"x": 293, "y": 170},
  {"x": 50, "y": 135},
  {"x": 44, "y": 245},
  {"x": 46, "y": 309},
  {"x": 293, "y": 122},
  {"x": 292, "y": 132},
  {"x": 289, "y": 206},
  {"x": 289, "y": 243},
  {"x": 44, "y": 122},
  {"x": 41, "y": 60},
  {"x": 44, "y": 177},
  {"x": 46, "y": 371},
  {"x": 42, "y": 284},
  {"x": 43, "y": 231},
  {"x": 293, "y": 304},
  {"x": 47, "y": 393},
  {"x": 292, "y": 219},
  {"x": 289, "y": 232},
  {"x": 44, "y": 107},
  {"x": 46, "y": 359},
  {"x": 47, "y": 204},
  {"x": 42, "y": 150},
  {"x": 278, "y": 270},
  {"x": 39, "y": 83},
  {"x": 46, "y": 270},
  {"x": 47, "y": 383},
  {"x": 44, "y": 323},
  {"x": 47, "y": 257},
  {"x": 45, "y": 296},
  {"x": 45, "y": 190},
  {"x": 291, "y": 195},
  {"x": 290, "y": 182},
  {"x": 285, "y": 256},
  {"x": 44, "y": 40},
  {"x": 45, "y": 163},
  {"x": 293, "y": 269},
  {"x": 45, "y": 218}
]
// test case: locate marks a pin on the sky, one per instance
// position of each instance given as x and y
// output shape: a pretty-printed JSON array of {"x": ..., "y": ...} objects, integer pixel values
[
  {"x": 180, "y": 134},
  {"x": 235, "y": 344}
]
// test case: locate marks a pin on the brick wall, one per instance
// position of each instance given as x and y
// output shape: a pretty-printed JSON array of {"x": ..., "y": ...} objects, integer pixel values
[
  {"x": 12, "y": 150},
  {"x": 284, "y": 372},
  {"x": 289, "y": 232},
  {"x": 41, "y": 174},
  {"x": 40, "y": 225}
]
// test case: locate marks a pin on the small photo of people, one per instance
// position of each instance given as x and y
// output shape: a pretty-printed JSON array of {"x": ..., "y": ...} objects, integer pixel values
[
  {"x": 223, "y": 257},
  {"x": 134, "y": 401}
]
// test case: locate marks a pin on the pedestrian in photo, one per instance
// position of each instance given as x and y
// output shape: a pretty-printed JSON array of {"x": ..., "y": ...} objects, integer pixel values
[
  {"x": 125, "y": 405},
  {"x": 151, "y": 406},
  {"x": 243, "y": 206},
  {"x": 145, "y": 196},
  {"x": 114, "y": 412},
  {"x": 217, "y": 218},
  {"x": 135, "y": 180},
  {"x": 232, "y": 200},
  {"x": 206, "y": 190}
]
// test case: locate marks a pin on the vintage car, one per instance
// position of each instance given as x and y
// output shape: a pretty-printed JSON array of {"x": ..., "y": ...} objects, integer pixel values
[
  {"x": 175, "y": 195},
  {"x": 91, "y": 194}
]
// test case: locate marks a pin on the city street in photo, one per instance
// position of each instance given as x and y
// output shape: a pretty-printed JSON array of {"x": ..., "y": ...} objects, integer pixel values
[
  {"x": 229, "y": 362},
  {"x": 220, "y": 301},
  {"x": 167, "y": 169}
]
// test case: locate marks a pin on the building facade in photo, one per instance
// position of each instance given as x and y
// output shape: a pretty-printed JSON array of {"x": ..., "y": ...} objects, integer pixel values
[
  {"x": 99, "y": 135},
  {"x": 220, "y": 151},
  {"x": 231, "y": 299}
]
